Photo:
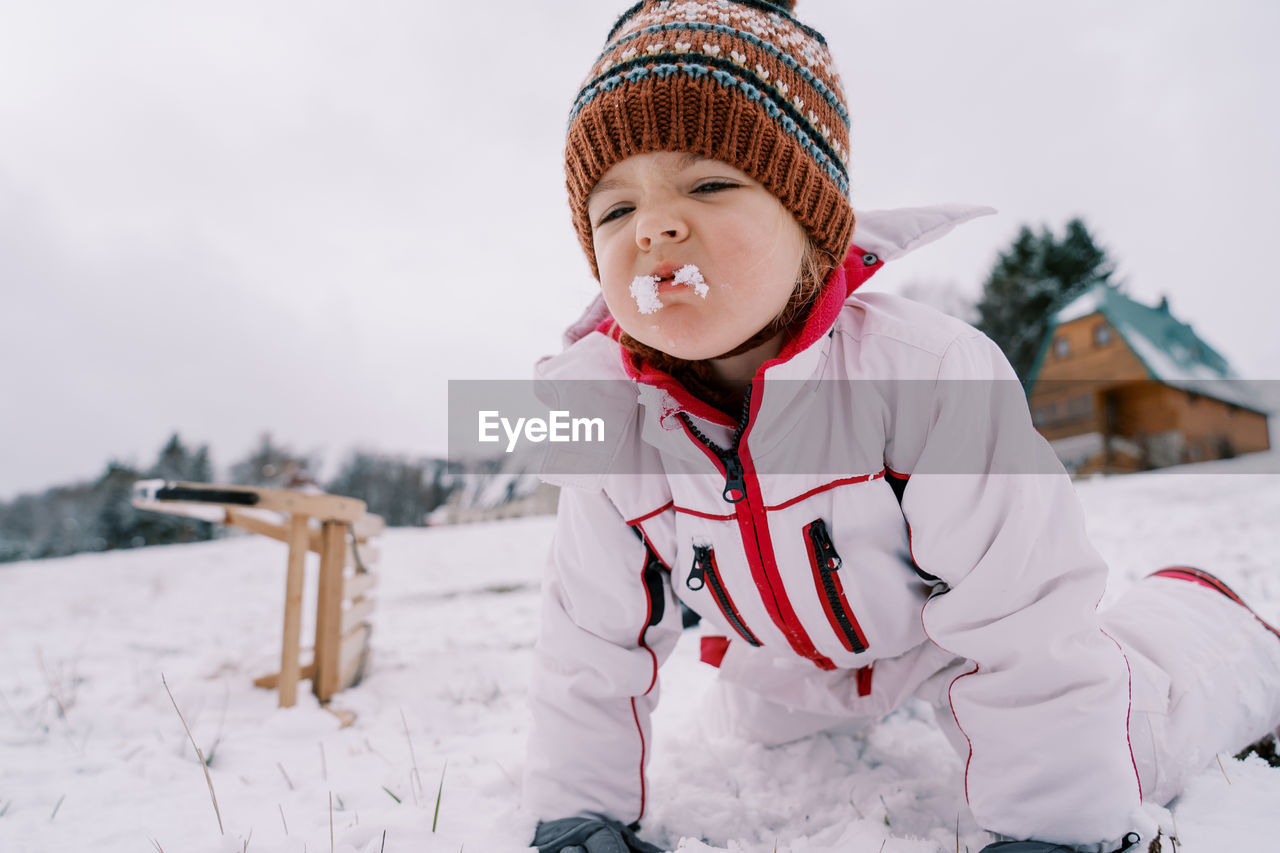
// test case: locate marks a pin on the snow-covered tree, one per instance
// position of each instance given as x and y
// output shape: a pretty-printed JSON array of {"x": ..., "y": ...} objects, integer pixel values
[
  {"x": 177, "y": 463},
  {"x": 400, "y": 490}
]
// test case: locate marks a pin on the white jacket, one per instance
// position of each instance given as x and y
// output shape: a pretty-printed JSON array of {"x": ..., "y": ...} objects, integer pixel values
[{"x": 978, "y": 560}]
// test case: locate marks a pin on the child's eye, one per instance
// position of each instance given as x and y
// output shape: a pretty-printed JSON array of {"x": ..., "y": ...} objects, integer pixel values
[
  {"x": 714, "y": 186},
  {"x": 614, "y": 213}
]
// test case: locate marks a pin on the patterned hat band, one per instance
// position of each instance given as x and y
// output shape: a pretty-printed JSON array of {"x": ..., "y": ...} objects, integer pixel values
[
  {"x": 746, "y": 83},
  {"x": 739, "y": 81}
]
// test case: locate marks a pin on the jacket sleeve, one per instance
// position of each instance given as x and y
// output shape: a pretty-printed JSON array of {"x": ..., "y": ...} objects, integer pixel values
[
  {"x": 607, "y": 623},
  {"x": 1044, "y": 704}
]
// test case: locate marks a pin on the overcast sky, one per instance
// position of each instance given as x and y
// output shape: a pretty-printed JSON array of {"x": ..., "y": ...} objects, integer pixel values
[{"x": 224, "y": 218}]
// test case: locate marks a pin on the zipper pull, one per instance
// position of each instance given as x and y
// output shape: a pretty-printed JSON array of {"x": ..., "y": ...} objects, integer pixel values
[
  {"x": 823, "y": 549},
  {"x": 698, "y": 573},
  {"x": 735, "y": 487}
]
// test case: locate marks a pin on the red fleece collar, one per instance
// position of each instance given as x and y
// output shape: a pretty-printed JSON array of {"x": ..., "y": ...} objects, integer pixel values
[{"x": 858, "y": 266}]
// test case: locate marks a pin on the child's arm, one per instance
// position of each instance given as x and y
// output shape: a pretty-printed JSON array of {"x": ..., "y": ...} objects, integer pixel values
[
  {"x": 1045, "y": 706},
  {"x": 607, "y": 625}
]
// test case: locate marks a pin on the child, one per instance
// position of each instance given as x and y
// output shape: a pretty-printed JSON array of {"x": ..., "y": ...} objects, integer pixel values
[{"x": 860, "y": 542}]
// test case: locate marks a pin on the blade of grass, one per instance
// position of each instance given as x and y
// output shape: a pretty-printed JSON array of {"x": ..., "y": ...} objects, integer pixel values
[
  {"x": 199, "y": 755},
  {"x": 439, "y": 792},
  {"x": 222, "y": 719},
  {"x": 415, "y": 782}
]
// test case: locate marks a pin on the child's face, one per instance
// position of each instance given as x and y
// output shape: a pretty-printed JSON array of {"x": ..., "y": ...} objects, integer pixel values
[{"x": 652, "y": 214}]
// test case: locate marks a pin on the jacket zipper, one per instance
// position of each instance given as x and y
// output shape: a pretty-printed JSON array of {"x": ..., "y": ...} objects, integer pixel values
[
  {"x": 735, "y": 486},
  {"x": 825, "y": 563},
  {"x": 735, "y": 483},
  {"x": 737, "y": 493},
  {"x": 704, "y": 572}
]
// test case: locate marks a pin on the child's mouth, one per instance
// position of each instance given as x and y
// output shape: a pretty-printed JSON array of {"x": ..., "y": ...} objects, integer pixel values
[{"x": 645, "y": 288}]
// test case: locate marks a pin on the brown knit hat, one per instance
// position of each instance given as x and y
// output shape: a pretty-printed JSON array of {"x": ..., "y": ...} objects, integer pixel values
[{"x": 740, "y": 81}]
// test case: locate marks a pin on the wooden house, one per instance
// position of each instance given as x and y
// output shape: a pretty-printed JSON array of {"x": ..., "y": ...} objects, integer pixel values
[{"x": 1121, "y": 386}]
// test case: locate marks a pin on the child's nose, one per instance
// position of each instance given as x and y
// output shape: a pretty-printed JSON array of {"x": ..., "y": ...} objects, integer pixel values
[{"x": 659, "y": 226}]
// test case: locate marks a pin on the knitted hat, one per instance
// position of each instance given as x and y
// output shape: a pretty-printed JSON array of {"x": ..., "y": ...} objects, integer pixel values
[{"x": 740, "y": 81}]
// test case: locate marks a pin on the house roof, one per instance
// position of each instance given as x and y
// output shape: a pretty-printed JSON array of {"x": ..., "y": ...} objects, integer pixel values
[{"x": 1169, "y": 349}]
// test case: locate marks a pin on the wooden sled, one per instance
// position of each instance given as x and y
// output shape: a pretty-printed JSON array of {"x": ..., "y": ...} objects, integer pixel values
[{"x": 338, "y": 529}]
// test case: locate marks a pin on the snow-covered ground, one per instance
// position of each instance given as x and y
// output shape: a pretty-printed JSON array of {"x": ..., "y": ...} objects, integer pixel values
[{"x": 94, "y": 757}]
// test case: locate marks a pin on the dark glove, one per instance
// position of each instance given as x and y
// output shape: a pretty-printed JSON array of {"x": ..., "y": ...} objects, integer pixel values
[
  {"x": 593, "y": 834},
  {"x": 1127, "y": 844}
]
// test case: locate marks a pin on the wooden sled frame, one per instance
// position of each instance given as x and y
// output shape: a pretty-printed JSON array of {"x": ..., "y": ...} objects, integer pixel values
[{"x": 342, "y": 633}]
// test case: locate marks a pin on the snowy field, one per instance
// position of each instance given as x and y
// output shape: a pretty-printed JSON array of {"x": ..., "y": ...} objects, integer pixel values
[{"x": 93, "y": 756}]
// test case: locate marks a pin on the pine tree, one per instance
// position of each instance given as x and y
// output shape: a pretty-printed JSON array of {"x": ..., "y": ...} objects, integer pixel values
[
  {"x": 116, "y": 522},
  {"x": 199, "y": 468},
  {"x": 172, "y": 463},
  {"x": 176, "y": 463},
  {"x": 1033, "y": 277},
  {"x": 273, "y": 466}
]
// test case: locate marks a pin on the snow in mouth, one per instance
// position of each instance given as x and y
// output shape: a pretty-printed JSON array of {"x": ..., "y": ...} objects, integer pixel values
[{"x": 644, "y": 288}]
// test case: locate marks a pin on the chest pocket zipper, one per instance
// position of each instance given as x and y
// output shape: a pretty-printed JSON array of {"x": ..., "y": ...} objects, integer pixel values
[
  {"x": 826, "y": 563},
  {"x": 705, "y": 573}
]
